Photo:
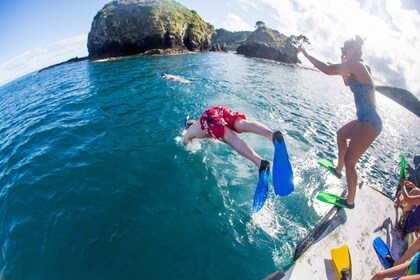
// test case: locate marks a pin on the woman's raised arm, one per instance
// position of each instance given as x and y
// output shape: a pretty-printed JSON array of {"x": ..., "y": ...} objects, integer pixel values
[{"x": 329, "y": 69}]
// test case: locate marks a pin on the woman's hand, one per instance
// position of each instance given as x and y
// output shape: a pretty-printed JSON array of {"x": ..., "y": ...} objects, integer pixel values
[{"x": 302, "y": 50}]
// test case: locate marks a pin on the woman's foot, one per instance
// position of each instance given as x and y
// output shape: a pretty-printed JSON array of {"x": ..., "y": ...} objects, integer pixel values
[
  {"x": 344, "y": 202},
  {"x": 336, "y": 173}
]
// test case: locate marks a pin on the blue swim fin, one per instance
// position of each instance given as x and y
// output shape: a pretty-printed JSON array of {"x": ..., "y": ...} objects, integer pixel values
[
  {"x": 261, "y": 192},
  {"x": 383, "y": 252},
  {"x": 282, "y": 169}
]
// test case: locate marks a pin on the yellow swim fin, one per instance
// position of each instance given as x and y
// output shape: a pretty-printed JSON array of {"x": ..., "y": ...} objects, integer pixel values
[{"x": 342, "y": 262}]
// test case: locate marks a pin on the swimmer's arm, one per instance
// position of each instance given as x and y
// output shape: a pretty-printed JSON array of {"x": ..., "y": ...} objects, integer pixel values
[
  {"x": 186, "y": 139},
  {"x": 189, "y": 135}
]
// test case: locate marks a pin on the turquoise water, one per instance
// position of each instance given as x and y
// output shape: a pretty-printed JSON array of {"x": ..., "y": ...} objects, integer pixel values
[{"x": 94, "y": 183}]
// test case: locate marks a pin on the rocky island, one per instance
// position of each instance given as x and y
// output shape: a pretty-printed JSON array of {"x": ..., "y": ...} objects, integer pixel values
[
  {"x": 269, "y": 44},
  {"x": 402, "y": 97},
  {"x": 128, "y": 27}
]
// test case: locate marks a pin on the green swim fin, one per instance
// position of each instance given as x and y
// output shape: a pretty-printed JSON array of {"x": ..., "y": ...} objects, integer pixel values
[
  {"x": 330, "y": 199},
  {"x": 329, "y": 165},
  {"x": 403, "y": 170}
]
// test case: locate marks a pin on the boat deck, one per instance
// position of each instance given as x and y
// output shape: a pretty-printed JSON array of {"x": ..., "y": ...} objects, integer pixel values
[{"x": 374, "y": 215}]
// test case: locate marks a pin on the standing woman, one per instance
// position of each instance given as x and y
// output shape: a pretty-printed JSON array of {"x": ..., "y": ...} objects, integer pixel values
[{"x": 368, "y": 125}]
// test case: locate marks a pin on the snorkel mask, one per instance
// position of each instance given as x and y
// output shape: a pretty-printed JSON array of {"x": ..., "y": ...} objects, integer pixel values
[{"x": 185, "y": 121}]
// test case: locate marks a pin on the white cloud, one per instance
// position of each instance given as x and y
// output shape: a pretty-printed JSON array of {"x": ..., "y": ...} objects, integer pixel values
[
  {"x": 247, "y": 5},
  {"x": 392, "y": 38},
  {"x": 233, "y": 22},
  {"x": 42, "y": 57}
]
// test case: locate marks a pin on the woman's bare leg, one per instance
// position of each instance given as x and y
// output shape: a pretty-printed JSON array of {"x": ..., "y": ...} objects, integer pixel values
[
  {"x": 344, "y": 134},
  {"x": 363, "y": 136}
]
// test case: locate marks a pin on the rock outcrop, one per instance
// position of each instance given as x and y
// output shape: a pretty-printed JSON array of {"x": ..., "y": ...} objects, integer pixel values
[
  {"x": 71, "y": 60},
  {"x": 127, "y": 27},
  {"x": 218, "y": 48},
  {"x": 269, "y": 44},
  {"x": 227, "y": 40},
  {"x": 402, "y": 97}
]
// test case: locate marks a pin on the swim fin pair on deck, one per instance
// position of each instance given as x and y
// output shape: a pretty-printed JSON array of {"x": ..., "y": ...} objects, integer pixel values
[
  {"x": 282, "y": 174},
  {"x": 383, "y": 252},
  {"x": 328, "y": 197}
]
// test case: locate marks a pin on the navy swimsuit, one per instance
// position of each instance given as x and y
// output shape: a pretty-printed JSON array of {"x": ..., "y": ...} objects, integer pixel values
[{"x": 366, "y": 110}]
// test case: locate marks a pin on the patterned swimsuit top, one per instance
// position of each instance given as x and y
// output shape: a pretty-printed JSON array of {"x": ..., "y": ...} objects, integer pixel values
[
  {"x": 364, "y": 105},
  {"x": 414, "y": 267}
]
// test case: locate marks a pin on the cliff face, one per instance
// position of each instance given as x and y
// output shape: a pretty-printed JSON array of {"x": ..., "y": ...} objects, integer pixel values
[
  {"x": 269, "y": 44},
  {"x": 125, "y": 27}
]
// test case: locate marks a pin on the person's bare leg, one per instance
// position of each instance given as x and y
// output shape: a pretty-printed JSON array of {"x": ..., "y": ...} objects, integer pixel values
[
  {"x": 242, "y": 125},
  {"x": 344, "y": 134},
  {"x": 363, "y": 136},
  {"x": 241, "y": 146}
]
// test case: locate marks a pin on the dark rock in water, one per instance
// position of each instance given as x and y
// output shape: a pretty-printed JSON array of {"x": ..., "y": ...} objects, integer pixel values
[
  {"x": 164, "y": 51},
  {"x": 269, "y": 44},
  {"x": 232, "y": 40},
  {"x": 71, "y": 60},
  {"x": 402, "y": 97},
  {"x": 218, "y": 48},
  {"x": 127, "y": 27}
]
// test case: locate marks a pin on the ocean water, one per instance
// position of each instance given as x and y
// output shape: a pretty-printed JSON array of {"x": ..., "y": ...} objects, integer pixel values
[{"x": 94, "y": 183}]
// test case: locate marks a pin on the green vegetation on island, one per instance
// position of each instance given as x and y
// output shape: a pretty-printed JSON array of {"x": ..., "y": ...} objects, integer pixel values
[
  {"x": 268, "y": 43},
  {"x": 126, "y": 27}
]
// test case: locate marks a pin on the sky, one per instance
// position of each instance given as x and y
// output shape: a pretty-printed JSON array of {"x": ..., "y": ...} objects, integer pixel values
[{"x": 36, "y": 34}]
